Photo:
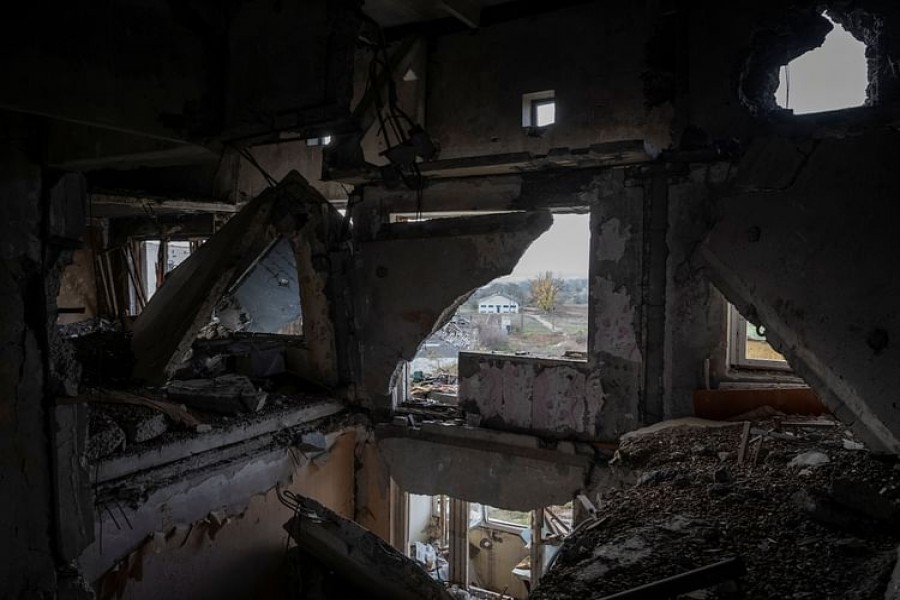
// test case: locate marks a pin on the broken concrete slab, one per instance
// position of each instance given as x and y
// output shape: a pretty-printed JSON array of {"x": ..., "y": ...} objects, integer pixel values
[
  {"x": 140, "y": 424},
  {"x": 360, "y": 556},
  {"x": 237, "y": 431},
  {"x": 173, "y": 317},
  {"x": 227, "y": 394},
  {"x": 438, "y": 459},
  {"x": 799, "y": 259}
]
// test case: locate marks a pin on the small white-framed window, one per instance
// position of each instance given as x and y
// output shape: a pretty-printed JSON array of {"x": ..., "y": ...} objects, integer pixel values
[
  {"x": 747, "y": 345},
  {"x": 539, "y": 109},
  {"x": 319, "y": 141}
]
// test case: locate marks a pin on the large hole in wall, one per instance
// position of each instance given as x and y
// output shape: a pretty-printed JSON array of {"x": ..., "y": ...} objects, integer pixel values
[
  {"x": 539, "y": 309},
  {"x": 831, "y": 77},
  {"x": 811, "y": 60}
]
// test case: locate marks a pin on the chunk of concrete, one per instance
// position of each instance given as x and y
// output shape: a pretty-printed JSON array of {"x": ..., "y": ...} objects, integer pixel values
[
  {"x": 813, "y": 458},
  {"x": 105, "y": 436},
  {"x": 228, "y": 394},
  {"x": 139, "y": 424}
]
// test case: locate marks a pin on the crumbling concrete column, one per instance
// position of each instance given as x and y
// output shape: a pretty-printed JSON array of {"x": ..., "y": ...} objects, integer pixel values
[
  {"x": 616, "y": 280},
  {"x": 807, "y": 247}
]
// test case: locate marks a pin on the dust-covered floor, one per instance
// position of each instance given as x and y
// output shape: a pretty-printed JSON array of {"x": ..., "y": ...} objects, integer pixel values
[{"x": 809, "y": 512}]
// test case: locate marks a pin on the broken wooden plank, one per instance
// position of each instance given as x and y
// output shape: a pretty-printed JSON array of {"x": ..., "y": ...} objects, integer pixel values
[
  {"x": 359, "y": 555},
  {"x": 742, "y": 449}
]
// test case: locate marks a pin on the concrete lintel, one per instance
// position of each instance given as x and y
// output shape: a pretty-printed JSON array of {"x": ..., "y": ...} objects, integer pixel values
[
  {"x": 472, "y": 468},
  {"x": 156, "y": 456},
  {"x": 608, "y": 154}
]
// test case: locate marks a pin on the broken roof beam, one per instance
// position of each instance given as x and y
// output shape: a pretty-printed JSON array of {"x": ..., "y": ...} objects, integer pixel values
[{"x": 359, "y": 555}]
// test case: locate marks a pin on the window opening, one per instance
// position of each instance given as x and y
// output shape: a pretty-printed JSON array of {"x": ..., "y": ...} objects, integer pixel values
[
  {"x": 544, "y": 112},
  {"x": 538, "y": 109},
  {"x": 540, "y": 309},
  {"x": 266, "y": 298},
  {"x": 831, "y": 77},
  {"x": 325, "y": 140},
  {"x": 748, "y": 346}
]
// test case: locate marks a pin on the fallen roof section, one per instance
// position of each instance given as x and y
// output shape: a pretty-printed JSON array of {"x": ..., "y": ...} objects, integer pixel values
[{"x": 164, "y": 332}]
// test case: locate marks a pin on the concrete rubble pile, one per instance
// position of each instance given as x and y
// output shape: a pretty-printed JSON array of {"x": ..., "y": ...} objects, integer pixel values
[{"x": 799, "y": 502}]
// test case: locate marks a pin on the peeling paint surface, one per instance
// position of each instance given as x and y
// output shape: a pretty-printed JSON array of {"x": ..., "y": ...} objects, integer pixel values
[
  {"x": 548, "y": 396},
  {"x": 612, "y": 240},
  {"x": 614, "y": 321}
]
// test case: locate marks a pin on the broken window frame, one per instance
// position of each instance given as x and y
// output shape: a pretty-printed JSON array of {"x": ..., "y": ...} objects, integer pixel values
[{"x": 737, "y": 346}]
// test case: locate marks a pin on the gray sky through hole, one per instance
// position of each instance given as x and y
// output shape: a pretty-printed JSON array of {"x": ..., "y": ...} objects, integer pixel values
[
  {"x": 563, "y": 249},
  {"x": 830, "y": 77}
]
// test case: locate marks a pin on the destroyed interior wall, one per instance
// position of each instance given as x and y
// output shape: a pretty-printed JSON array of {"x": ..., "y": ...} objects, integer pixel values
[{"x": 669, "y": 76}]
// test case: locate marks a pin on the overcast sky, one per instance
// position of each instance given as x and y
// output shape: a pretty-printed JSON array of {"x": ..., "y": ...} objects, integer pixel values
[
  {"x": 830, "y": 77},
  {"x": 563, "y": 249}
]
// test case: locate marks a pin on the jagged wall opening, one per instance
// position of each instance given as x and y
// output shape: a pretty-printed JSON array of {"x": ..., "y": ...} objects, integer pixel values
[{"x": 796, "y": 31}]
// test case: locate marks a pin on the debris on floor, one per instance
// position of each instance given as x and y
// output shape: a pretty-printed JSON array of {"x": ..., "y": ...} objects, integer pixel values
[
  {"x": 227, "y": 394},
  {"x": 105, "y": 436},
  {"x": 808, "y": 514}
]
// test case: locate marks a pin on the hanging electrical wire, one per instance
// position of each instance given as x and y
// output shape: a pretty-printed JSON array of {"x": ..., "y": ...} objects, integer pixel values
[{"x": 404, "y": 140}]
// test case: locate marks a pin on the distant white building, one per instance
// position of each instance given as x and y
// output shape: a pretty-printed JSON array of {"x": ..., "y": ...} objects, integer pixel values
[{"x": 497, "y": 304}]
